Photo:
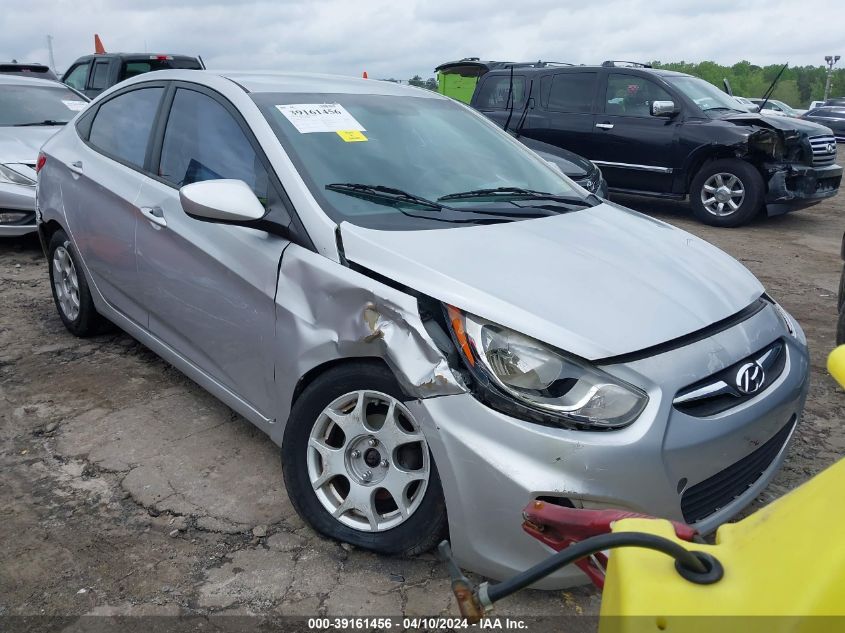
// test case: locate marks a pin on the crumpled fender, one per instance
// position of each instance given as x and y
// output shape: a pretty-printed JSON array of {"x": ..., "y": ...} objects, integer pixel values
[{"x": 326, "y": 312}]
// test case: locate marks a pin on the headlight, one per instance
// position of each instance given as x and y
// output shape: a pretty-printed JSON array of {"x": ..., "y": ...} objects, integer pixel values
[
  {"x": 7, "y": 174},
  {"x": 543, "y": 378}
]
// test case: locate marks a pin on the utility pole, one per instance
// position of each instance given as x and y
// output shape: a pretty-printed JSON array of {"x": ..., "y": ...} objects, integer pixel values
[
  {"x": 831, "y": 60},
  {"x": 50, "y": 53}
]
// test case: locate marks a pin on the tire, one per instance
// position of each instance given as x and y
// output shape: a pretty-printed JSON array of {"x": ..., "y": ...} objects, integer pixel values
[
  {"x": 726, "y": 178},
  {"x": 70, "y": 288},
  {"x": 840, "y": 328},
  {"x": 344, "y": 391},
  {"x": 840, "y": 297}
]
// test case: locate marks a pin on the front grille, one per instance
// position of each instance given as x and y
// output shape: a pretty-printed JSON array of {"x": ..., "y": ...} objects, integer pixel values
[
  {"x": 822, "y": 153},
  {"x": 720, "y": 391},
  {"x": 705, "y": 498}
]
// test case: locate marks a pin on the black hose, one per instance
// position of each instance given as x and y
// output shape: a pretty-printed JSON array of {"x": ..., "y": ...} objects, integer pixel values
[{"x": 593, "y": 545}]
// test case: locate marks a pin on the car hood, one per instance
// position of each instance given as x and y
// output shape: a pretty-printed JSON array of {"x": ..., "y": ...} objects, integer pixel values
[
  {"x": 782, "y": 123},
  {"x": 597, "y": 282},
  {"x": 21, "y": 144}
]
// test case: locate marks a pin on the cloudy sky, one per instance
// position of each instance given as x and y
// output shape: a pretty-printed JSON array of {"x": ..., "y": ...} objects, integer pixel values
[{"x": 400, "y": 38}]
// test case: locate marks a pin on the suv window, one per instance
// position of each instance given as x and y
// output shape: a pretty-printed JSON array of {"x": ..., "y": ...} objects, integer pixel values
[
  {"x": 494, "y": 94},
  {"x": 629, "y": 95},
  {"x": 122, "y": 125},
  {"x": 572, "y": 92},
  {"x": 100, "y": 78},
  {"x": 203, "y": 141},
  {"x": 76, "y": 78}
]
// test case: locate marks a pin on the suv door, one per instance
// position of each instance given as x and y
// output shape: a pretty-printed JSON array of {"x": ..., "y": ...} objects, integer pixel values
[
  {"x": 100, "y": 193},
  {"x": 564, "y": 116},
  {"x": 635, "y": 149},
  {"x": 210, "y": 287}
]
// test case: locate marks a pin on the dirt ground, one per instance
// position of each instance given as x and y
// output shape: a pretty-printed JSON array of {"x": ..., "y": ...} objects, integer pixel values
[{"x": 126, "y": 489}]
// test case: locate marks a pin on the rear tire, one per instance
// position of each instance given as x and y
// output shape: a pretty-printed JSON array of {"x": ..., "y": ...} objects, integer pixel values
[
  {"x": 70, "y": 288},
  {"x": 350, "y": 443},
  {"x": 728, "y": 192}
]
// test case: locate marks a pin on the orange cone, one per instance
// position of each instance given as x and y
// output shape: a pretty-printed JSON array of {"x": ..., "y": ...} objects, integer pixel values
[
  {"x": 99, "y": 49},
  {"x": 365, "y": 75}
]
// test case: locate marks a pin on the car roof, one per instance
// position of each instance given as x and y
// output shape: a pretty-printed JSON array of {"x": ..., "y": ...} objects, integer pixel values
[
  {"x": 20, "y": 80},
  {"x": 573, "y": 68},
  {"x": 139, "y": 56},
  {"x": 293, "y": 82}
]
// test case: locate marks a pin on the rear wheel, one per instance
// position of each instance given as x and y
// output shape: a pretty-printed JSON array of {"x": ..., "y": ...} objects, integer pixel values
[
  {"x": 727, "y": 192},
  {"x": 357, "y": 466},
  {"x": 70, "y": 288}
]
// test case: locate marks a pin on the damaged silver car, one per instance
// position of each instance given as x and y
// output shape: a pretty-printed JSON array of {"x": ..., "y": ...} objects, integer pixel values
[{"x": 434, "y": 324}]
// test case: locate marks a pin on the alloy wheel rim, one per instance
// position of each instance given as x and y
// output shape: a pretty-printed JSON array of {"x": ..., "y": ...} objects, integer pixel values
[
  {"x": 368, "y": 461},
  {"x": 66, "y": 283},
  {"x": 722, "y": 194}
]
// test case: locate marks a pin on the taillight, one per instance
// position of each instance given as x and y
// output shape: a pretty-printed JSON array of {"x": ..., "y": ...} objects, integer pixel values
[
  {"x": 161, "y": 57},
  {"x": 42, "y": 158}
]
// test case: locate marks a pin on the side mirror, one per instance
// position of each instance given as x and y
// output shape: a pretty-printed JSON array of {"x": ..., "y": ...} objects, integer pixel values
[
  {"x": 664, "y": 108},
  {"x": 221, "y": 200}
]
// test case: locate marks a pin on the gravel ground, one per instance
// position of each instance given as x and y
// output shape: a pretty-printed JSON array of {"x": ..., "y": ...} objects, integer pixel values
[{"x": 126, "y": 489}]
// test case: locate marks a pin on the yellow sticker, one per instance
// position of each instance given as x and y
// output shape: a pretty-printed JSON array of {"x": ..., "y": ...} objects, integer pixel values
[{"x": 351, "y": 136}]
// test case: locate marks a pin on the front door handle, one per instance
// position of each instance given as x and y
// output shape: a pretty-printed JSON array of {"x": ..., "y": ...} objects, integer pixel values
[
  {"x": 154, "y": 215},
  {"x": 605, "y": 126}
]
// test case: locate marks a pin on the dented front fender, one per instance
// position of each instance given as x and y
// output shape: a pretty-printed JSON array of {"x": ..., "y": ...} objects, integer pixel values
[{"x": 327, "y": 312}]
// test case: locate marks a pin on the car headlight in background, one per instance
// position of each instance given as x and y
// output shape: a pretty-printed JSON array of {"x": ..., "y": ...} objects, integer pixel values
[
  {"x": 542, "y": 378},
  {"x": 7, "y": 174}
]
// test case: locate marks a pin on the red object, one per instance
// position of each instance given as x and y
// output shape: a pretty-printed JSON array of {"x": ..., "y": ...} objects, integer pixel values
[
  {"x": 99, "y": 49},
  {"x": 42, "y": 158},
  {"x": 365, "y": 75},
  {"x": 559, "y": 527}
]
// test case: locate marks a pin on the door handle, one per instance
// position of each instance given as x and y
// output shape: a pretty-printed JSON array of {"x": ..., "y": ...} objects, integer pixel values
[
  {"x": 76, "y": 166},
  {"x": 154, "y": 215},
  {"x": 605, "y": 126}
]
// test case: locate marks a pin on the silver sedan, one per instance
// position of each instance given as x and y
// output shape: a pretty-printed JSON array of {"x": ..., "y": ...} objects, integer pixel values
[
  {"x": 31, "y": 111},
  {"x": 434, "y": 325}
]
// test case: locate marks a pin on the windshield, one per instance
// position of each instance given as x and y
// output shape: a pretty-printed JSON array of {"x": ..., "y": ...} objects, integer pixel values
[
  {"x": 36, "y": 105},
  {"x": 705, "y": 95},
  {"x": 426, "y": 147}
]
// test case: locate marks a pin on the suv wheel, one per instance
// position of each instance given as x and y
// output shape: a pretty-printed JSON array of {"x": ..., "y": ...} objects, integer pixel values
[
  {"x": 357, "y": 466},
  {"x": 70, "y": 289},
  {"x": 727, "y": 192}
]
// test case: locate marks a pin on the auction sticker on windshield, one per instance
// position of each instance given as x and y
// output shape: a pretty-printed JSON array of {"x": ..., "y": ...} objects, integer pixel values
[{"x": 320, "y": 117}]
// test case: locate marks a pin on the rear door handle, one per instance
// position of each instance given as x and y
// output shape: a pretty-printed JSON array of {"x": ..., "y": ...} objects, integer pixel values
[
  {"x": 154, "y": 215},
  {"x": 605, "y": 126},
  {"x": 76, "y": 166}
]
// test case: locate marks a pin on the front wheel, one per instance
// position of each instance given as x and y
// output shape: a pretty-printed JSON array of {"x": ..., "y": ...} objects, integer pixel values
[
  {"x": 727, "y": 192},
  {"x": 357, "y": 466}
]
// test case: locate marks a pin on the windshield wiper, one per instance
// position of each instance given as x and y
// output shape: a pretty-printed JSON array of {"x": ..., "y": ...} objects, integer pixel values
[
  {"x": 45, "y": 122},
  {"x": 723, "y": 108},
  {"x": 518, "y": 192},
  {"x": 382, "y": 192}
]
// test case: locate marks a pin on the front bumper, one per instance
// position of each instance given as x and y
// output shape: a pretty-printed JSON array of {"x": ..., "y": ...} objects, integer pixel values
[
  {"x": 19, "y": 201},
  {"x": 796, "y": 186},
  {"x": 491, "y": 464}
]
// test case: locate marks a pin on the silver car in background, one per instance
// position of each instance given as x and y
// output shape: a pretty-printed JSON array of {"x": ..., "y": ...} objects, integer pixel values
[
  {"x": 31, "y": 111},
  {"x": 434, "y": 324}
]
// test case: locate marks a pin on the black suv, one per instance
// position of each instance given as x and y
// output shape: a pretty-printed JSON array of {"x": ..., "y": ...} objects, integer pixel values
[
  {"x": 667, "y": 134},
  {"x": 92, "y": 74}
]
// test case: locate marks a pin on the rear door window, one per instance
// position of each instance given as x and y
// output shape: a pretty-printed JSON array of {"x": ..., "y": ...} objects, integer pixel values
[
  {"x": 203, "y": 141},
  {"x": 572, "y": 92},
  {"x": 76, "y": 78},
  {"x": 100, "y": 76},
  {"x": 122, "y": 125},
  {"x": 495, "y": 93}
]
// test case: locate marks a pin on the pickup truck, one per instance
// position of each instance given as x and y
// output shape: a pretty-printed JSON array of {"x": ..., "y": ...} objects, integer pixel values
[{"x": 91, "y": 74}]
